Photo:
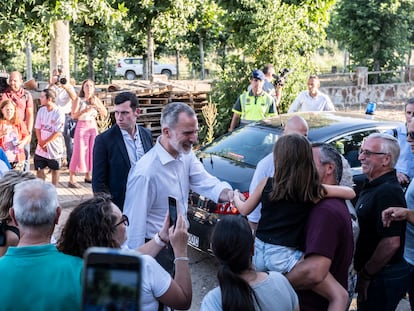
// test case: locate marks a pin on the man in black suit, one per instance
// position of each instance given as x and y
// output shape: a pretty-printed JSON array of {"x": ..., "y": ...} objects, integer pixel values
[{"x": 119, "y": 148}]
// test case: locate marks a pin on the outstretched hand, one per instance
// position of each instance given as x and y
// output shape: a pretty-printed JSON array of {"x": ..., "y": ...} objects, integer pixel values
[{"x": 393, "y": 214}]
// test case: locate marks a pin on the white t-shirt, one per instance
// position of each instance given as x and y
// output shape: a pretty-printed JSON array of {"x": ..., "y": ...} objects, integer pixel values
[
  {"x": 305, "y": 102},
  {"x": 155, "y": 283},
  {"x": 50, "y": 122},
  {"x": 62, "y": 99}
]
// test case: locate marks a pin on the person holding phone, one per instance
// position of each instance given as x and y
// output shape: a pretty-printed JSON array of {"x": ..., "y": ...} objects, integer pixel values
[{"x": 99, "y": 222}]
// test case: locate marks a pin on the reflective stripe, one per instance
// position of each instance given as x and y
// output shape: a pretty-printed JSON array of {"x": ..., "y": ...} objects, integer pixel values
[{"x": 255, "y": 108}]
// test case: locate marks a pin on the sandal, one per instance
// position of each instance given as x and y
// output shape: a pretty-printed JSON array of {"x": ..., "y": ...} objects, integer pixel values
[{"x": 74, "y": 186}]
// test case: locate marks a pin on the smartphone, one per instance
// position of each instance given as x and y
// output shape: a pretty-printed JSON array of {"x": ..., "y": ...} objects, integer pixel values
[
  {"x": 172, "y": 208},
  {"x": 111, "y": 279}
]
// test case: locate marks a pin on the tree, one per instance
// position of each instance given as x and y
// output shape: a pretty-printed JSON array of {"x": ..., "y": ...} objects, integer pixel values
[
  {"x": 377, "y": 33},
  {"x": 48, "y": 21},
  {"x": 158, "y": 18},
  {"x": 268, "y": 31}
]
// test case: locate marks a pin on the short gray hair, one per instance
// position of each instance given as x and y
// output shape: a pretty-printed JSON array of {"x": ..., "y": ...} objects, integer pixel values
[
  {"x": 329, "y": 154},
  {"x": 35, "y": 203},
  {"x": 170, "y": 113},
  {"x": 389, "y": 144}
]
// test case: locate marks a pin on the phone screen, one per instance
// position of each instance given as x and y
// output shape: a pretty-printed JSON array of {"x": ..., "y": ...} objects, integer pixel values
[
  {"x": 111, "y": 282},
  {"x": 172, "y": 207}
]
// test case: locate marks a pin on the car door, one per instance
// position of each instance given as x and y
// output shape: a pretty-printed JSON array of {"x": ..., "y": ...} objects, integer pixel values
[{"x": 348, "y": 145}]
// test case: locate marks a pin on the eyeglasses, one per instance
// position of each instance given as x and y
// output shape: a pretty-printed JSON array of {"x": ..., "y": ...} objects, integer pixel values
[
  {"x": 124, "y": 220},
  {"x": 368, "y": 153},
  {"x": 411, "y": 134}
]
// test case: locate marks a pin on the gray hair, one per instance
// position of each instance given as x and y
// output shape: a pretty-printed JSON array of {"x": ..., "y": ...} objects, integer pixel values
[
  {"x": 170, "y": 113},
  {"x": 35, "y": 203},
  {"x": 328, "y": 154},
  {"x": 7, "y": 183},
  {"x": 389, "y": 144}
]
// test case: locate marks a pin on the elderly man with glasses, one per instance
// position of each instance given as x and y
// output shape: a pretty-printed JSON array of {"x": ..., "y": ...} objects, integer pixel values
[{"x": 382, "y": 270}]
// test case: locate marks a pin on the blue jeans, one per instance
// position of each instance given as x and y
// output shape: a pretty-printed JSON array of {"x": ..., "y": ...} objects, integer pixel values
[
  {"x": 387, "y": 288},
  {"x": 68, "y": 139},
  {"x": 270, "y": 257}
]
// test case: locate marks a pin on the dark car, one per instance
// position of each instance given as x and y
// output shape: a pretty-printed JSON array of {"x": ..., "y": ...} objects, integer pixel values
[{"x": 233, "y": 158}]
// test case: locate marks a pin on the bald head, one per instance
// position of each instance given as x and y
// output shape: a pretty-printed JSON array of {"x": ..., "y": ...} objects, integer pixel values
[
  {"x": 297, "y": 125},
  {"x": 15, "y": 80}
]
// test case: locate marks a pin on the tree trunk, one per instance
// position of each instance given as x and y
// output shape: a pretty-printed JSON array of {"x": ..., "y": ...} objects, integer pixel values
[
  {"x": 59, "y": 47},
  {"x": 150, "y": 53},
  {"x": 201, "y": 44},
  {"x": 89, "y": 55},
  {"x": 177, "y": 63},
  {"x": 29, "y": 71},
  {"x": 377, "y": 66}
]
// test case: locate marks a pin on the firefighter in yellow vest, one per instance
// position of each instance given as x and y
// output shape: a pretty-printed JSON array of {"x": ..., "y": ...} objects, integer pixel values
[{"x": 253, "y": 105}]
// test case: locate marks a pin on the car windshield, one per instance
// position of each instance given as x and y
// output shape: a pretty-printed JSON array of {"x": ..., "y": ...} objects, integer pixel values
[{"x": 248, "y": 144}]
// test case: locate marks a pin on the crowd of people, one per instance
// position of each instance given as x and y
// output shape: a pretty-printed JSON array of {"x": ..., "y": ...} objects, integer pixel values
[
  {"x": 60, "y": 108},
  {"x": 299, "y": 243}
]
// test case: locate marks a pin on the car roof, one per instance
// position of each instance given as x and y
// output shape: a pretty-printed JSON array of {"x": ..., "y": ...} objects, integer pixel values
[{"x": 326, "y": 125}]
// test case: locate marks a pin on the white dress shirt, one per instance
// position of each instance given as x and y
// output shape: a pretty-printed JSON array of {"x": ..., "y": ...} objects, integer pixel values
[
  {"x": 305, "y": 102},
  {"x": 152, "y": 179}
]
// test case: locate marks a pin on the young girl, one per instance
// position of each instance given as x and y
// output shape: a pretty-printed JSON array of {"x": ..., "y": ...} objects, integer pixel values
[
  {"x": 286, "y": 200},
  {"x": 13, "y": 134}
]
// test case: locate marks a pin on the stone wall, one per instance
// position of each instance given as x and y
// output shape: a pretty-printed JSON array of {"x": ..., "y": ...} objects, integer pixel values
[{"x": 356, "y": 97}]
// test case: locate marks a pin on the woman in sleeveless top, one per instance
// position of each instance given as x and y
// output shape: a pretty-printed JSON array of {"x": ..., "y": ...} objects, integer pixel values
[{"x": 85, "y": 109}]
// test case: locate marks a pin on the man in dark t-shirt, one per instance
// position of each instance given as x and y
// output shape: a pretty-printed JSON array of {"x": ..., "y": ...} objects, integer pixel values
[
  {"x": 382, "y": 270},
  {"x": 328, "y": 237}
]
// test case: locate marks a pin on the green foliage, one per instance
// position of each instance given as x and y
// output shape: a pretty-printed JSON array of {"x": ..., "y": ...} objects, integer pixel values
[
  {"x": 268, "y": 31},
  {"x": 377, "y": 33}
]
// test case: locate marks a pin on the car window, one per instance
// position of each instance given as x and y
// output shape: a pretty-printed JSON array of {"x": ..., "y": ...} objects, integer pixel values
[
  {"x": 248, "y": 145},
  {"x": 349, "y": 144},
  {"x": 137, "y": 61}
]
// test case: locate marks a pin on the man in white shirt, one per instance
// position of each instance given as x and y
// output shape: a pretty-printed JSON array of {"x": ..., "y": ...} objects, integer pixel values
[
  {"x": 170, "y": 168},
  {"x": 312, "y": 99},
  {"x": 65, "y": 94}
]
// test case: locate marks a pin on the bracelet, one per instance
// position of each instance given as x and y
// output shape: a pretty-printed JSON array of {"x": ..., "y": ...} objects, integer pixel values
[
  {"x": 181, "y": 259},
  {"x": 165, "y": 241},
  {"x": 159, "y": 241}
]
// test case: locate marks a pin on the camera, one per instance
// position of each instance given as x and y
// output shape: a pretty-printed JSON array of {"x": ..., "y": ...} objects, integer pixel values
[
  {"x": 280, "y": 79},
  {"x": 61, "y": 77}
]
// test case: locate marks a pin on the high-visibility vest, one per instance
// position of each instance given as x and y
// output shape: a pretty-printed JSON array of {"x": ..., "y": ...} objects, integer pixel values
[{"x": 255, "y": 108}]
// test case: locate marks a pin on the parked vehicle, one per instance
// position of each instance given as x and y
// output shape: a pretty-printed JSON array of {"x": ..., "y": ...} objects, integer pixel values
[
  {"x": 233, "y": 158},
  {"x": 132, "y": 67}
]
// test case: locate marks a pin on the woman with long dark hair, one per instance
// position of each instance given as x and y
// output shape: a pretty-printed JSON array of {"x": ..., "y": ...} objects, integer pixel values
[
  {"x": 242, "y": 288},
  {"x": 99, "y": 222},
  {"x": 85, "y": 109}
]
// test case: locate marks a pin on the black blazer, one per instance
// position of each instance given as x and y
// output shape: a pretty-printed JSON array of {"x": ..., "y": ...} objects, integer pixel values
[{"x": 111, "y": 163}]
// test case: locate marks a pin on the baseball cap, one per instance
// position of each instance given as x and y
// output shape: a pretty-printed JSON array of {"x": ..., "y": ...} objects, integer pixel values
[{"x": 258, "y": 74}]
